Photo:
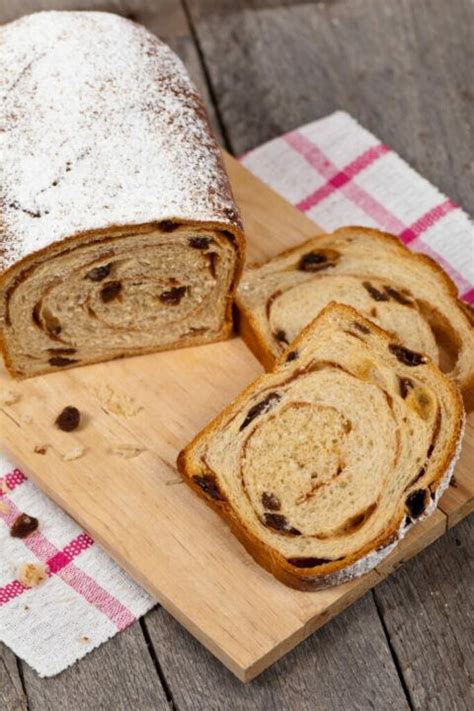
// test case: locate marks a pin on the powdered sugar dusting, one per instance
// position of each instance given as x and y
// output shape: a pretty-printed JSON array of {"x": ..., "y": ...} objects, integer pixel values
[{"x": 100, "y": 125}]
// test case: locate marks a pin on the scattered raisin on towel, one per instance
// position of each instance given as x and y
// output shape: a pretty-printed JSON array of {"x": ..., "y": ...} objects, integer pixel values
[{"x": 23, "y": 526}]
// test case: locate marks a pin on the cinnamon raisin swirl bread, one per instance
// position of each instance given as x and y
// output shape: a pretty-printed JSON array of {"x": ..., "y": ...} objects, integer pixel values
[
  {"x": 119, "y": 234},
  {"x": 405, "y": 293},
  {"x": 324, "y": 463}
]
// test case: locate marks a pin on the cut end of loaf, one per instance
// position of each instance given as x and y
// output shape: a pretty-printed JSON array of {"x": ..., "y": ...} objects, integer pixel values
[
  {"x": 119, "y": 293},
  {"x": 323, "y": 464}
]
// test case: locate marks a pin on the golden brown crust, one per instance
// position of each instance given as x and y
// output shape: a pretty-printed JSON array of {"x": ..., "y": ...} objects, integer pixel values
[
  {"x": 333, "y": 572},
  {"x": 256, "y": 342}
]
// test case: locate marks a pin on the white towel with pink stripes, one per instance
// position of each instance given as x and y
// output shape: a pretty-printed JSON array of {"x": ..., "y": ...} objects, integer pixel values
[{"x": 338, "y": 174}]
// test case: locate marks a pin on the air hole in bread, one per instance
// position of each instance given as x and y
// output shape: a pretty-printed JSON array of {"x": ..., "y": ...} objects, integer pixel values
[{"x": 309, "y": 562}]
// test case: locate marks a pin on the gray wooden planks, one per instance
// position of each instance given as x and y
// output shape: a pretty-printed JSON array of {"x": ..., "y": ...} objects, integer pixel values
[
  {"x": 118, "y": 676},
  {"x": 427, "y": 608},
  {"x": 402, "y": 67},
  {"x": 12, "y": 696},
  {"x": 345, "y": 665}
]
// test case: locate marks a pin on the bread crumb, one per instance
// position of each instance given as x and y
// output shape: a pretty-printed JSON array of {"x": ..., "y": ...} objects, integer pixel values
[
  {"x": 172, "y": 482},
  {"x": 74, "y": 453},
  {"x": 117, "y": 403},
  {"x": 26, "y": 418},
  {"x": 127, "y": 451},
  {"x": 4, "y": 507},
  {"x": 84, "y": 639},
  {"x": 41, "y": 448},
  {"x": 9, "y": 397},
  {"x": 31, "y": 574}
]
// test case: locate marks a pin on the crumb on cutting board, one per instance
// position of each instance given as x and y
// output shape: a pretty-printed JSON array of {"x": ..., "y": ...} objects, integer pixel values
[
  {"x": 41, "y": 448},
  {"x": 74, "y": 453},
  {"x": 9, "y": 397},
  {"x": 126, "y": 450},
  {"x": 117, "y": 403},
  {"x": 31, "y": 574}
]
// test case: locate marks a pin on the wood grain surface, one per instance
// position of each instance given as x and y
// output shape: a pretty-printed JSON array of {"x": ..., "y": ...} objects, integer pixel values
[{"x": 403, "y": 68}]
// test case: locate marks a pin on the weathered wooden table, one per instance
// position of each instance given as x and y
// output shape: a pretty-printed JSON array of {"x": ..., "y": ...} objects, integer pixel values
[{"x": 405, "y": 69}]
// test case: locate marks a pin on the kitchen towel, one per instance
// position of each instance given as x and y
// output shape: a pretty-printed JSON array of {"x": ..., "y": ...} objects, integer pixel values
[{"x": 337, "y": 173}]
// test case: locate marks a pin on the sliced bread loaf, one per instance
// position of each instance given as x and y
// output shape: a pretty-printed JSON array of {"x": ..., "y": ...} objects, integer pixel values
[
  {"x": 322, "y": 465},
  {"x": 405, "y": 293}
]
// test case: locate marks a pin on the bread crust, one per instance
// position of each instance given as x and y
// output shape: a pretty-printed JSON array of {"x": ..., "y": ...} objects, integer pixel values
[
  {"x": 255, "y": 339},
  {"x": 147, "y": 158},
  {"x": 335, "y": 572}
]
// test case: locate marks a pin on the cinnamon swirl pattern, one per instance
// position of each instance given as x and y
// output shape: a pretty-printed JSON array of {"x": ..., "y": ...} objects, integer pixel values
[
  {"x": 324, "y": 463},
  {"x": 406, "y": 294}
]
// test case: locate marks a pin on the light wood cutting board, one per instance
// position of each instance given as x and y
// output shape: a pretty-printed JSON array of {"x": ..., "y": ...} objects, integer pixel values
[{"x": 153, "y": 525}]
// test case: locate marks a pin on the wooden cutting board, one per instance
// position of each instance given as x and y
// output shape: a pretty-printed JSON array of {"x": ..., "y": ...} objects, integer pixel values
[{"x": 150, "y": 522}]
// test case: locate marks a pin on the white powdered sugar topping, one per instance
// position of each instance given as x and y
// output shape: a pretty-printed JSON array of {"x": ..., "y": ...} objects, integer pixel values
[{"x": 100, "y": 126}]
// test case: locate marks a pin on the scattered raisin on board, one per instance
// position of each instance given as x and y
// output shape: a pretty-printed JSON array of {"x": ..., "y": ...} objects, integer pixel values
[{"x": 69, "y": 419}]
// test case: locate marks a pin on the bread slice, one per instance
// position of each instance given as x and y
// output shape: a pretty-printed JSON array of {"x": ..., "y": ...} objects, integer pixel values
[
  {"x": 405, "y": 293},
  {"x": 323, "y": 464}
]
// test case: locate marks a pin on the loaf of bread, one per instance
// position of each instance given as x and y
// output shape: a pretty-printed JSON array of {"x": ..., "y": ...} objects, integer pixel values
[
  {"x": 405, "y": 293},
  {"x": 119, "y": 232},
  {"x": 323, "y": 464}
]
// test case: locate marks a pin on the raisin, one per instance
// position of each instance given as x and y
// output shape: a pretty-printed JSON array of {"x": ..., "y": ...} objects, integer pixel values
[
  {"x": 23, "y": 526},
  {"x": 168, "y": 226},
  {"x": 405, "y": 385},
  {"x": 416, "y": 502},
  {"x": 61, "y": 362},
  {"x": 110, "y": 291},
  {"x": 271, "y": 501},
  {"x": 292, "y": 355},
  {"x": 280, "y": 335},
  {"x": 99, "y": 273},
  {"x": 259, "y": 408},
  {"x": 63, "y": 351},
  {"x": 69, "y": 419},
  {"x": 360, "y": 327},
  {"x": 200, "y": 242},
  {"x": 308, "y": 562},
  {"x": 173, "y": 296},
  {"x": 397, "y": 296},
  {"x": 406, "y": 356},
  {"x": 209, "y": 485},
  {"x": 314, "y": 262},
  {"x": 375, "y": 293},
  {"x": 280, "y": 523},
  {"x": 407, "y": 521}
]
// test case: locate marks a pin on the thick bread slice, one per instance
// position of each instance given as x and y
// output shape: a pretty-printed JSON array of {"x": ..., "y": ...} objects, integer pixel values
[
  {"x": 405, "y": 293},
  {"x": 323, "y": 464}
]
